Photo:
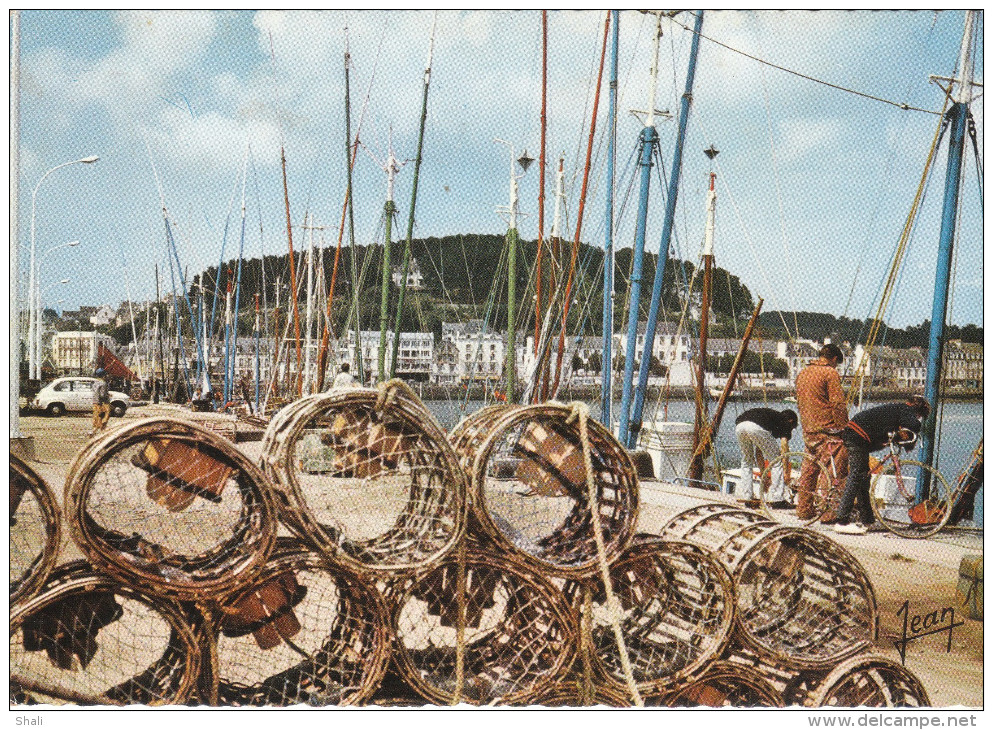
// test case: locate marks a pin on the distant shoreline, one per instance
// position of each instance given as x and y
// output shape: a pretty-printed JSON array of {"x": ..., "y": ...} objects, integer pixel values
[{"x": 592, "y": 393}]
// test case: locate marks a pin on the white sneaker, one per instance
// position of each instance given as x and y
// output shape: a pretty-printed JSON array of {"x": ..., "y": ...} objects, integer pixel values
[{"x": 852, "y": 528}]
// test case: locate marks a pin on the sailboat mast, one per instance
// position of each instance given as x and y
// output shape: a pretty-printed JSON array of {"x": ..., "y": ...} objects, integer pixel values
[
  {"x": 310, "y": 304},
  {"x": 293, "y": 270},
  {"x": 257, "y": 353},
  {"x": 670, "y": 216},
  {"x": 359, "y": 365},
  {"x": 227, "y": 341},
  {"x": 648, "y": 141},
  {"x": 413, "y": 201},
  {"x": 700, "y": 414},
  {"x": 541, "y": 178},
  {"x": 384, "y": 301},
  {"x": 510, "y": 366},
  {"x": 957, "y": 115},
  {"x": 608, "y": 246},
  {"x": 241, "y": 255}
]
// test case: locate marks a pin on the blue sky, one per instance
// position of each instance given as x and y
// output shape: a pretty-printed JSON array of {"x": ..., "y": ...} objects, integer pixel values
[{"x": 813, "y": 183}]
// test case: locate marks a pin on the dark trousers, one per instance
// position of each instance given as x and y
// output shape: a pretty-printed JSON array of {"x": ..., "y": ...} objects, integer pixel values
[{"x": 857, "y": 487}]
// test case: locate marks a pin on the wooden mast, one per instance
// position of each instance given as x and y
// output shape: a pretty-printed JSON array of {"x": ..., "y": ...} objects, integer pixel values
[{"x": 700, "y": 415}]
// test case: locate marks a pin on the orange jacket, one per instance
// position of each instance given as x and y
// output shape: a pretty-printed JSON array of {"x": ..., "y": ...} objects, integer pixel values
[{"x": 820, "y": 399}]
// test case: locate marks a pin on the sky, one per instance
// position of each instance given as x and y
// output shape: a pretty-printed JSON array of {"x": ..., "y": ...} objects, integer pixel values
[{"x": 814, "y": 183}]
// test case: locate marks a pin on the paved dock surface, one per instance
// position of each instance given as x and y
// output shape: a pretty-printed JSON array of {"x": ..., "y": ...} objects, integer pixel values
[{"x": 921, "y": 573}]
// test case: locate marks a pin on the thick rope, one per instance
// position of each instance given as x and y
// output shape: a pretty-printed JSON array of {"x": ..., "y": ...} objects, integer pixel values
[
  {"x": 460, "y": 593},
  {"x": 580, "y": 412},
  {"x": 586, "y": 647}
]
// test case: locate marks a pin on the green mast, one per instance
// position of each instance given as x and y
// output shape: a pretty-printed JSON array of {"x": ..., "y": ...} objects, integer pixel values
[
  {"x": 512, "y": 242},
  {"x": 392, "y": 167},
  {"x": 413, "y": 202},
  {"x": 351, "y": 218}
]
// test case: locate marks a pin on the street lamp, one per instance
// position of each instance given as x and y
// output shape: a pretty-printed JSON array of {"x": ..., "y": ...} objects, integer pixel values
[
  {"x": 37, "y": 300},
  {"x": 34, "y": 367}
]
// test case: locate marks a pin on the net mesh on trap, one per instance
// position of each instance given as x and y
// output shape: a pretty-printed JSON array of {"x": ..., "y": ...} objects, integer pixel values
[
  {"x": 172, "y": 507},
  {"x": 517, "y": 635},
  {"x": 529, "y": 486},
  {"x": 368, "y": 478},
  {"x": 87, "y": 639},
  {"x": 870, "y": 681},
  {"x": 723, "y": 684},
  {"x": 803, "y": 600},
  {"x": 677, "y": 606},
  {"x": 35, "y": 531},
  {"x": 305, "y": 631},
  {"x": 573, "y": 693}
]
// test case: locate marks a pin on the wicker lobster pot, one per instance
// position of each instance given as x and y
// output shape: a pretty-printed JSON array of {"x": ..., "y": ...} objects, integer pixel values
[
  {"x": 165, "y": 504},
  {"x": 35, "y": 531},
  {"x": 722, "y": 684},
  {"x": 529, "y": 487},
  {"x": 519, "y": 635},
  {"x": 368, "y": 478},
  {"x": 305, "y": 631},
  {"x": 88, "y": 639},
  {"x": 870, "y": 680},
  {"x": 569, "y": 693},
  {"x": 678, "y": 607},
  {"x": 803, "y": 600},
  {"x": 475, "y": 427}
]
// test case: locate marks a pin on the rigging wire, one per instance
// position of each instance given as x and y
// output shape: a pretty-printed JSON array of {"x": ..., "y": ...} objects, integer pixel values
[
  {"x": 899, "y": 105},
  {"x": 859, "y": 373}
]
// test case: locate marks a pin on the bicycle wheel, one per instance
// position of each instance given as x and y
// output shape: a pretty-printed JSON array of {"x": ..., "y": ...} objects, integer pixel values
[
  {"x": 895, "y": 503},
  {"x": 793, "y": 464}
]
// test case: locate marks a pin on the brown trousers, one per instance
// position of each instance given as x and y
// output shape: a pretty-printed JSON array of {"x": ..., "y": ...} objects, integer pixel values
[
  {"x": 822, "y": 447},
  {"x": 101, "y": 415}
]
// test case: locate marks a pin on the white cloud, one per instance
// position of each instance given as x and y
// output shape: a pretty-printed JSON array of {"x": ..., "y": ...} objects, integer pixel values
[{"x": 801, "y": 137}]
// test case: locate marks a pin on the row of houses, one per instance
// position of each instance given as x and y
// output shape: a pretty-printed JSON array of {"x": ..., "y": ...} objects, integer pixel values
[{"x": 469, "y": 352}]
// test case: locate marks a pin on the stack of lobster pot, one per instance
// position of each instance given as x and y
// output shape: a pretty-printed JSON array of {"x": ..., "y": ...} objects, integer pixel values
[
  {"x": 372, "y": 559},
  {"x": 806, "y": 618}
]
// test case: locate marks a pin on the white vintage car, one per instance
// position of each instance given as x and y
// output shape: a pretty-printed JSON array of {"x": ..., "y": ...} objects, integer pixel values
[{"x": 75, "y": 394}]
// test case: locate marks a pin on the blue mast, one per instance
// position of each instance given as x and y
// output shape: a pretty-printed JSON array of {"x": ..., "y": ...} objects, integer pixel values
[
  {"x": 670, "y": 215},
  {"x": 958, "y": 116},
  {"x": 648, "y": 139},
  {"x": 608, "y": 246}
]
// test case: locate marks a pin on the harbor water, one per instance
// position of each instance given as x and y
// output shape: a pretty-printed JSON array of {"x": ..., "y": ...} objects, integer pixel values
[{"x": 961, "y": 427}]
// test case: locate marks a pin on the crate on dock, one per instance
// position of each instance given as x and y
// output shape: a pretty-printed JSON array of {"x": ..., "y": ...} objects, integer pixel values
[{"x": 970, "y": 588}]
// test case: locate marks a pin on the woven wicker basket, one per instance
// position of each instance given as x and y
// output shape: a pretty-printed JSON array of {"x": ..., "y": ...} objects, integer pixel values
[
  {"x": 529, "y": 490},
  {"x": 368, "y": 480},
  {"x": 678, "y": 607},
  {"x": 88, "y": 639},
  {"x": 35, "y": 531},
  {"x": 326, "y": 644},
  {"x": 870, "y": 681},
  {"x": 803, "y": 600},
  {"x": 519, "y": 636},
  {"x": 163, "y": 504}
]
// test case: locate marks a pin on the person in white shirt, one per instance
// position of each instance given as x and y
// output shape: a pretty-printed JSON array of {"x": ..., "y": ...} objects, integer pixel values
[{"x": 344, "y": 378}]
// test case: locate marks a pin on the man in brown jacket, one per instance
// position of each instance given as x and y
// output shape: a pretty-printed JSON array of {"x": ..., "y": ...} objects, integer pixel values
[{"x": 823, "y": 414}]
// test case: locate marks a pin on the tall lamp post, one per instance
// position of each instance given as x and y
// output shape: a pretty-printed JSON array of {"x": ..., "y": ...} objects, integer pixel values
[
  {"x": 34, "y": 367},
  {"x": 39, "y": 312}
]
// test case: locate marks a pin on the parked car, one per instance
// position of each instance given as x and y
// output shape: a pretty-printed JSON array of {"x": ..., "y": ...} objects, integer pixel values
[{"x": 75, "y": 394}]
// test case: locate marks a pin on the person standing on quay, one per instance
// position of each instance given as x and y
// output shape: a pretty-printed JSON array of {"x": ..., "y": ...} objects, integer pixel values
[
  {"x": 101, "y": 403},
  {"x": 823, "y": 414}
]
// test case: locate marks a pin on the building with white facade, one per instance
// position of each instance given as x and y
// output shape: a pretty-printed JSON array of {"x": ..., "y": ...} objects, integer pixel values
[
  {"x": 76, "y": 352},
  {"x": 415, "y": 279}
]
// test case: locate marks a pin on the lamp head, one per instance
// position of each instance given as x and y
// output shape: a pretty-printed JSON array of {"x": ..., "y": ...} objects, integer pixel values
[
  {"x": 73, "y": 243},
  {"x": 91, "y": 158}
]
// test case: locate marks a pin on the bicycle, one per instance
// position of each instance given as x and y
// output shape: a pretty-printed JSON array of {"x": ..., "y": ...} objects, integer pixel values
[
  {"x": 826, "y": 492},
  {"x": 893, "y": 492}
]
